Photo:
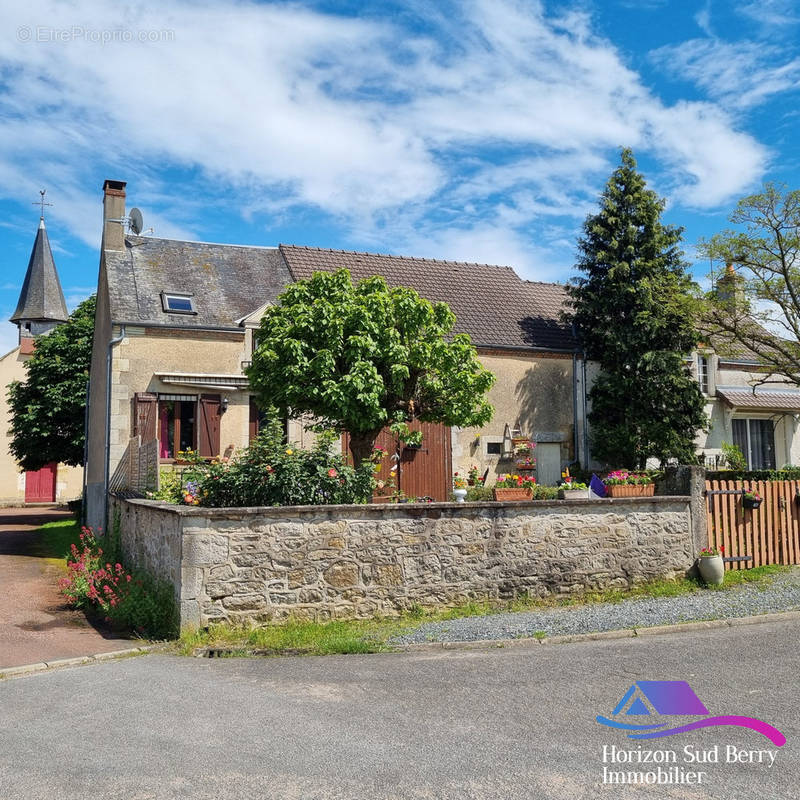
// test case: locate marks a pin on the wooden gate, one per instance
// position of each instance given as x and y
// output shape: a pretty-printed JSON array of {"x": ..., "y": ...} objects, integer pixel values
[
  {"x": 769, "y": 534},
  {"x": 421, "y": 472},
  {"x": 40, "y": 486}
]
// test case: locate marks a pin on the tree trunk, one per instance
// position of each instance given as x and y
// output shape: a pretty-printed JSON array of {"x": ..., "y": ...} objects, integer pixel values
[{"x": 361, "y": 446}]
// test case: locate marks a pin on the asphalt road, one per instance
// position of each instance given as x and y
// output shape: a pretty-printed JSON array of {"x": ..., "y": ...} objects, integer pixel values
[{"x": 517, "y": 722}]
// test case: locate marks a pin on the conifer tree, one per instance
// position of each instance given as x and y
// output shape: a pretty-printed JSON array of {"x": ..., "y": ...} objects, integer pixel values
[{"x": 633, "y": 312}]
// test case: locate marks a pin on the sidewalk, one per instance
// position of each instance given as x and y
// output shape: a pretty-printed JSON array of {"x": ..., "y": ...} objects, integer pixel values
[{"x": 35, "y": 625}]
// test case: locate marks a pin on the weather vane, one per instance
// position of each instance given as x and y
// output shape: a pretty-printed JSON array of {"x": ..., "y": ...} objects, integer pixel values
[{"x": 40, "y": 202}]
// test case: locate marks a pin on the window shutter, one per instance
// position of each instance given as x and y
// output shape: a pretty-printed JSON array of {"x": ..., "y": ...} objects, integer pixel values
[
  {"x": 253, "y": 426},
  {"x": 208, "y": 435},
  {"x": 145, "y": 416}
]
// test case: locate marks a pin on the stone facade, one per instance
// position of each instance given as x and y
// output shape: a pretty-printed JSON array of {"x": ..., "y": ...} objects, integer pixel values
[{"x": 324, "y": 562}]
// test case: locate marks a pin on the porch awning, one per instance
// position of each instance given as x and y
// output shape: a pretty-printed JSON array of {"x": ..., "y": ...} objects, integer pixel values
[
  {"x": 766, "y": 399},
  {"x": 204, "y": 380}
]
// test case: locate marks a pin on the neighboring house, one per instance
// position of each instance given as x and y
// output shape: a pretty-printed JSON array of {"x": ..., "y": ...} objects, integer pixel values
[
  {"x": 174, "y": 331},
  {"x": 41, "y": 308}
]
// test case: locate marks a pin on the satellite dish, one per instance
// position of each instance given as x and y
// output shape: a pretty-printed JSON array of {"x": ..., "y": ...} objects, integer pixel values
[{"x": 135, "y": 220}]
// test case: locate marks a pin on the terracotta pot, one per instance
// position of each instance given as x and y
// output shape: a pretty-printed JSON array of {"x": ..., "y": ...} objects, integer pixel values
[
  {"x": 506, "y": 495},
  {"x": 628, "y": 490},
  {"x": 712, "y": 569}
]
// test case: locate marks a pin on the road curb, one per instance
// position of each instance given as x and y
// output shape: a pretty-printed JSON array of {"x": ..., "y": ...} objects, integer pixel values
[
  {"x": 623, "y": 633},
  {"x": 78, "y": 661}
]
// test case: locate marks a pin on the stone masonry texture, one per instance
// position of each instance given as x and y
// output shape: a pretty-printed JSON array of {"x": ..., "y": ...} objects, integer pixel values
[{"x": 335, "y": 562}]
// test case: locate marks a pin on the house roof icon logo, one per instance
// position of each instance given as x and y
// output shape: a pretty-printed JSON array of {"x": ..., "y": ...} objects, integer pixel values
[{"x": 648, "y": 700}]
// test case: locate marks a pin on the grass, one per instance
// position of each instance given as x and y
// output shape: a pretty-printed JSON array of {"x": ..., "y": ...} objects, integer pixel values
[
  {"x": 54, "y": 539},
  {"x": 296, "y": 637}
]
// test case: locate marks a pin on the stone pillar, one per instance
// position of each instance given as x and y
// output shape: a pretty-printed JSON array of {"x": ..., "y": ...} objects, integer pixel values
[{"x": 691, "y": 481}]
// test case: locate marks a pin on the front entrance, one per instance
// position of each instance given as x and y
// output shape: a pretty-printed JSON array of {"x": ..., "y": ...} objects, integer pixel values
[{"x": 40, "y": 486}]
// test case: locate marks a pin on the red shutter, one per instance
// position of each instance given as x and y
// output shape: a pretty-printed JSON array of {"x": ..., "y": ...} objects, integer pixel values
[
  {"x": 253, "y": 427},
  {"x": 145, "y": 416},
  {"x": 208, "y": 435}
]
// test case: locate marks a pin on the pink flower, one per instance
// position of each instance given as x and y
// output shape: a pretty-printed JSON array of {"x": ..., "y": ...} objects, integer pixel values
[{"x": 332, "y": 473}]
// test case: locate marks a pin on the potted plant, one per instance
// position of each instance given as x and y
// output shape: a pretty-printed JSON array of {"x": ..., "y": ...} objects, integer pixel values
[
  {"x": 751, "y": 499},
  {"x": 513, "y": 487},
  {"x": 523, "y": 454},
  {"x": 474, "y": 477},
  {"x": 573, "y": 490},
  {"x": 459, "y": 488},
  {"x": 711, "y": 565},
  {"x": 622, "y": 483}
]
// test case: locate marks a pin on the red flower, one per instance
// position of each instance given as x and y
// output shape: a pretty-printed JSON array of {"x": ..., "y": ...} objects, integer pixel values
[{"x": 332, "y": 473}]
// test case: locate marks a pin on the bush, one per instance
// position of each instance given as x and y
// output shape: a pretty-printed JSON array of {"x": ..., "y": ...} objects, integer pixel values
[
  {"x": 273, "y": 473},
  {"x": 734, "y": 457},
  {"x": 133, "y": 602}
]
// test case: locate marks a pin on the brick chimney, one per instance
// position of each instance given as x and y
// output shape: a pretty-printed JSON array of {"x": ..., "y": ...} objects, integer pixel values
[{"x": 113, "y": 209}]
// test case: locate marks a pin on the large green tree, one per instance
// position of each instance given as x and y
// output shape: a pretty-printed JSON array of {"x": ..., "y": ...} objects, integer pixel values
[
  {"x": 48, "y": 408},
  {"x": 756, "y": 302},
  {"x": 633, "y": 311},
  {"x": 361, "y": 357}
]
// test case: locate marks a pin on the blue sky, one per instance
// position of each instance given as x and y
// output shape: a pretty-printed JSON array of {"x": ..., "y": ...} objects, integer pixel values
[{"x": 480, "y": 130}]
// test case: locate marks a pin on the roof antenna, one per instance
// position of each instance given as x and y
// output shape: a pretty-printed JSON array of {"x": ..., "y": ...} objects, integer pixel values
[{"x": 41, "y": 202}]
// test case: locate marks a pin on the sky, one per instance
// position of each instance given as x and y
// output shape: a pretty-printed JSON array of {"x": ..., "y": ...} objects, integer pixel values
[{"x": 479, "y": 130}]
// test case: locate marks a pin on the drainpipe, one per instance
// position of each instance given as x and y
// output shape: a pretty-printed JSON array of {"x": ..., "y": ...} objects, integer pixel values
[
  {"x": 85, "y": 454},
  {"x": 107, "y": 468},
  {"x": 585, "y": 420},
  {"x": 575, "y": 458}
]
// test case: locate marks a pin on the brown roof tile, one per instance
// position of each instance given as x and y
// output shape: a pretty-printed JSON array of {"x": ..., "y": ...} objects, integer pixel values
[
  {"x": 745, "y": 398},
  {"x": 492, "y": 304}
]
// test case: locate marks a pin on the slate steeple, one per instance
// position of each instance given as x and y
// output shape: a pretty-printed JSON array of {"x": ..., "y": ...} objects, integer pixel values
[{"x": 41, "y": 303}]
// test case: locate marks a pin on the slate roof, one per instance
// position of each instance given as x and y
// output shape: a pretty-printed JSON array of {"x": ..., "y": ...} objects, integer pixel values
[
  {"x": 41, "y": 297},
  {"x": 227, "y": 281},
  {"x": 492, "y": 304},
  {"x": 764, "y": 398}
]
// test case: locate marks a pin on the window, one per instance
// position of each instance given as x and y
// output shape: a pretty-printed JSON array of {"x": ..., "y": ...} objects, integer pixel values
[
  {"x": 177, "y": 303},
  {"x": 176, "y": 425},
  {"x": 756, "y": 439},
  {"x": 494, "y": 448},
  {"x": 702, "y": 373},
  {"x": 179, "y": 422}
]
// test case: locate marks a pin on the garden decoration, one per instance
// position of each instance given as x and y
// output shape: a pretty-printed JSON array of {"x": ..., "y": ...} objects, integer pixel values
[
  {"x": 751, "y": 500},
  {"x": 711, "y": 565}
]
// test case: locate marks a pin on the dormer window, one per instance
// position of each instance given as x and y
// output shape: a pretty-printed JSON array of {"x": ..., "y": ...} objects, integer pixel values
[{"x": 176, "y": 303}]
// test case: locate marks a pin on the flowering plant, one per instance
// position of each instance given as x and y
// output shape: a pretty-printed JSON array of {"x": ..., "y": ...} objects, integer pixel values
[
  {"x": 754, "y": 496},
  {"x": 459, "y": 482},
  {"x": 474, "y": 477},
  {"x": 708, "y": 552},
  {"x": 572, "y": 486},
  {"x": 515, "y": 482},
  {"x": 622, "y": 477}
]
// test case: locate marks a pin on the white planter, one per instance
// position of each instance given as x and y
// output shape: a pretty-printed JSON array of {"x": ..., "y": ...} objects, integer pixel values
[
  {"x": 712, "y": 569},
  {"x": 573, "y": 494},
  {"x": 460, "y": 495}
]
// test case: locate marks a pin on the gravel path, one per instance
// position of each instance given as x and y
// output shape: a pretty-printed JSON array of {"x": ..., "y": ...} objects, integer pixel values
[{"x": 778, "y": 593}]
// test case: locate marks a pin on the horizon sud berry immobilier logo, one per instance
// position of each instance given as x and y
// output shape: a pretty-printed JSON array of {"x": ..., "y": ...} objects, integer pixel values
[{"x": 656, "y": 707}]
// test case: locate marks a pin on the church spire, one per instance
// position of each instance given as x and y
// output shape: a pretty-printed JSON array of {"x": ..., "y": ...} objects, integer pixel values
[{"x": 41, "y": 303}]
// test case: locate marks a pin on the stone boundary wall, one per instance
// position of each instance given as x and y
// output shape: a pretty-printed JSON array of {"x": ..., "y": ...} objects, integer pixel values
[{"x": 324, "y": 562}]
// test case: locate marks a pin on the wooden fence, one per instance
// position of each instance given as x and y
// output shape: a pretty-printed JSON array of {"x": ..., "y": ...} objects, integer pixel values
[{"x": 769, "y": 534}]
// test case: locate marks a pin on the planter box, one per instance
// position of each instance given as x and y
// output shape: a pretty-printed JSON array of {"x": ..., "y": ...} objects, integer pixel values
[
  {"x": 523, "y": 467},
  {"x": 623, "y": 490},
  {"x": 505, "y": 495},
  {"x": 752, "y": 504},
  {"x": 573, "y": 494}
]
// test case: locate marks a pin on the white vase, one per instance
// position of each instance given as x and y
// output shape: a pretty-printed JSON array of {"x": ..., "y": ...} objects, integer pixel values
[
  {"x": 460, "y": 495},
  {"x": 712, "y": 569}
]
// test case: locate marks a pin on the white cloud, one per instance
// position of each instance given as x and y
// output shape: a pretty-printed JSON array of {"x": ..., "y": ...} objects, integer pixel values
[
  {"x": 274, "y": 106},
  {"x": 736, "y": 74},
  {"x": 770, "y": 13}
]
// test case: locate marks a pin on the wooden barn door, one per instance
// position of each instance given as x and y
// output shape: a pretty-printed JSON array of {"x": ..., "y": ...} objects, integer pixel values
[
  {"x": 423, "y": 472},
  {"x": 40, "y": 486}
]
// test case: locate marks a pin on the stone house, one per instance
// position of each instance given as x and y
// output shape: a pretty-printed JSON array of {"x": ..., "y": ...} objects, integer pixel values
[
  {"x": 41, "y": 307},
  {"x": 174, "y": 331}
]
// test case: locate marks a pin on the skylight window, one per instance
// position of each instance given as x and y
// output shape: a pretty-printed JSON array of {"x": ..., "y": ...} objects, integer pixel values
[{"x": 177, "y": 303}]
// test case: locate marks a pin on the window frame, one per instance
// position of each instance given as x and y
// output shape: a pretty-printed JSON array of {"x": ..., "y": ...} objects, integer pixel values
[
  {"x": 166, "y": 296},
  {"x": 703, "y": 367},
  {"x": 748, "y": 449}
]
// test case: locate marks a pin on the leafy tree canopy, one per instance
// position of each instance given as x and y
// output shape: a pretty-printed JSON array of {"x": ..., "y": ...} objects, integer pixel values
[
  {"x": 633, "y": 311},
  {"x": 47, "y": 410},
  {"x": 756, "y": 303},
  {"x": 362, "y": 357}
]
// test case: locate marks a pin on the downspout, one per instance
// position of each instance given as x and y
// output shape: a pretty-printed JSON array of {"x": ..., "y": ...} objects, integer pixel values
[
  {"x": 107, "y": 467},
  {"x": 575, "y": 458},
  {"x": 585, "y": 420},
  {"x": 85, "y": 454}
]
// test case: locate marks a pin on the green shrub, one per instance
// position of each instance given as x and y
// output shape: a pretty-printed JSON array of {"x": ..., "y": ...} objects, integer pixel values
[
  {"x": 734, "y": 457},
  {"x": 545, "y": 492},
  {"x": 273, "y": 473},
  {"x": 477, "y": 494}
]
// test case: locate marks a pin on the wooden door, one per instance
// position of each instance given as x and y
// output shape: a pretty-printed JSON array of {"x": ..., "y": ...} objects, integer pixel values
[
  {"x": 422, "y": 472},
  {"x": 40, "y": 486}
]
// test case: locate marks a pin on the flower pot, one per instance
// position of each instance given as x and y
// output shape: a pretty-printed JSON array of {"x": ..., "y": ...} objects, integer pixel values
[
  {"x": 573, "y": 494},
  {"x": 506, "y": 495},
  {"x": 460, "y": 495},
  {"x": 629, "y": 490},
  {"x": 522, "y": 467},
  {"x": 712, "y": 569},
  {"x": 748, "y": 502}
]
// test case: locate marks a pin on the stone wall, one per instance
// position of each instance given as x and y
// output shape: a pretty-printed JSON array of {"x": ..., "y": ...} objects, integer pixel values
[{"x": 323, "y": 562}]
